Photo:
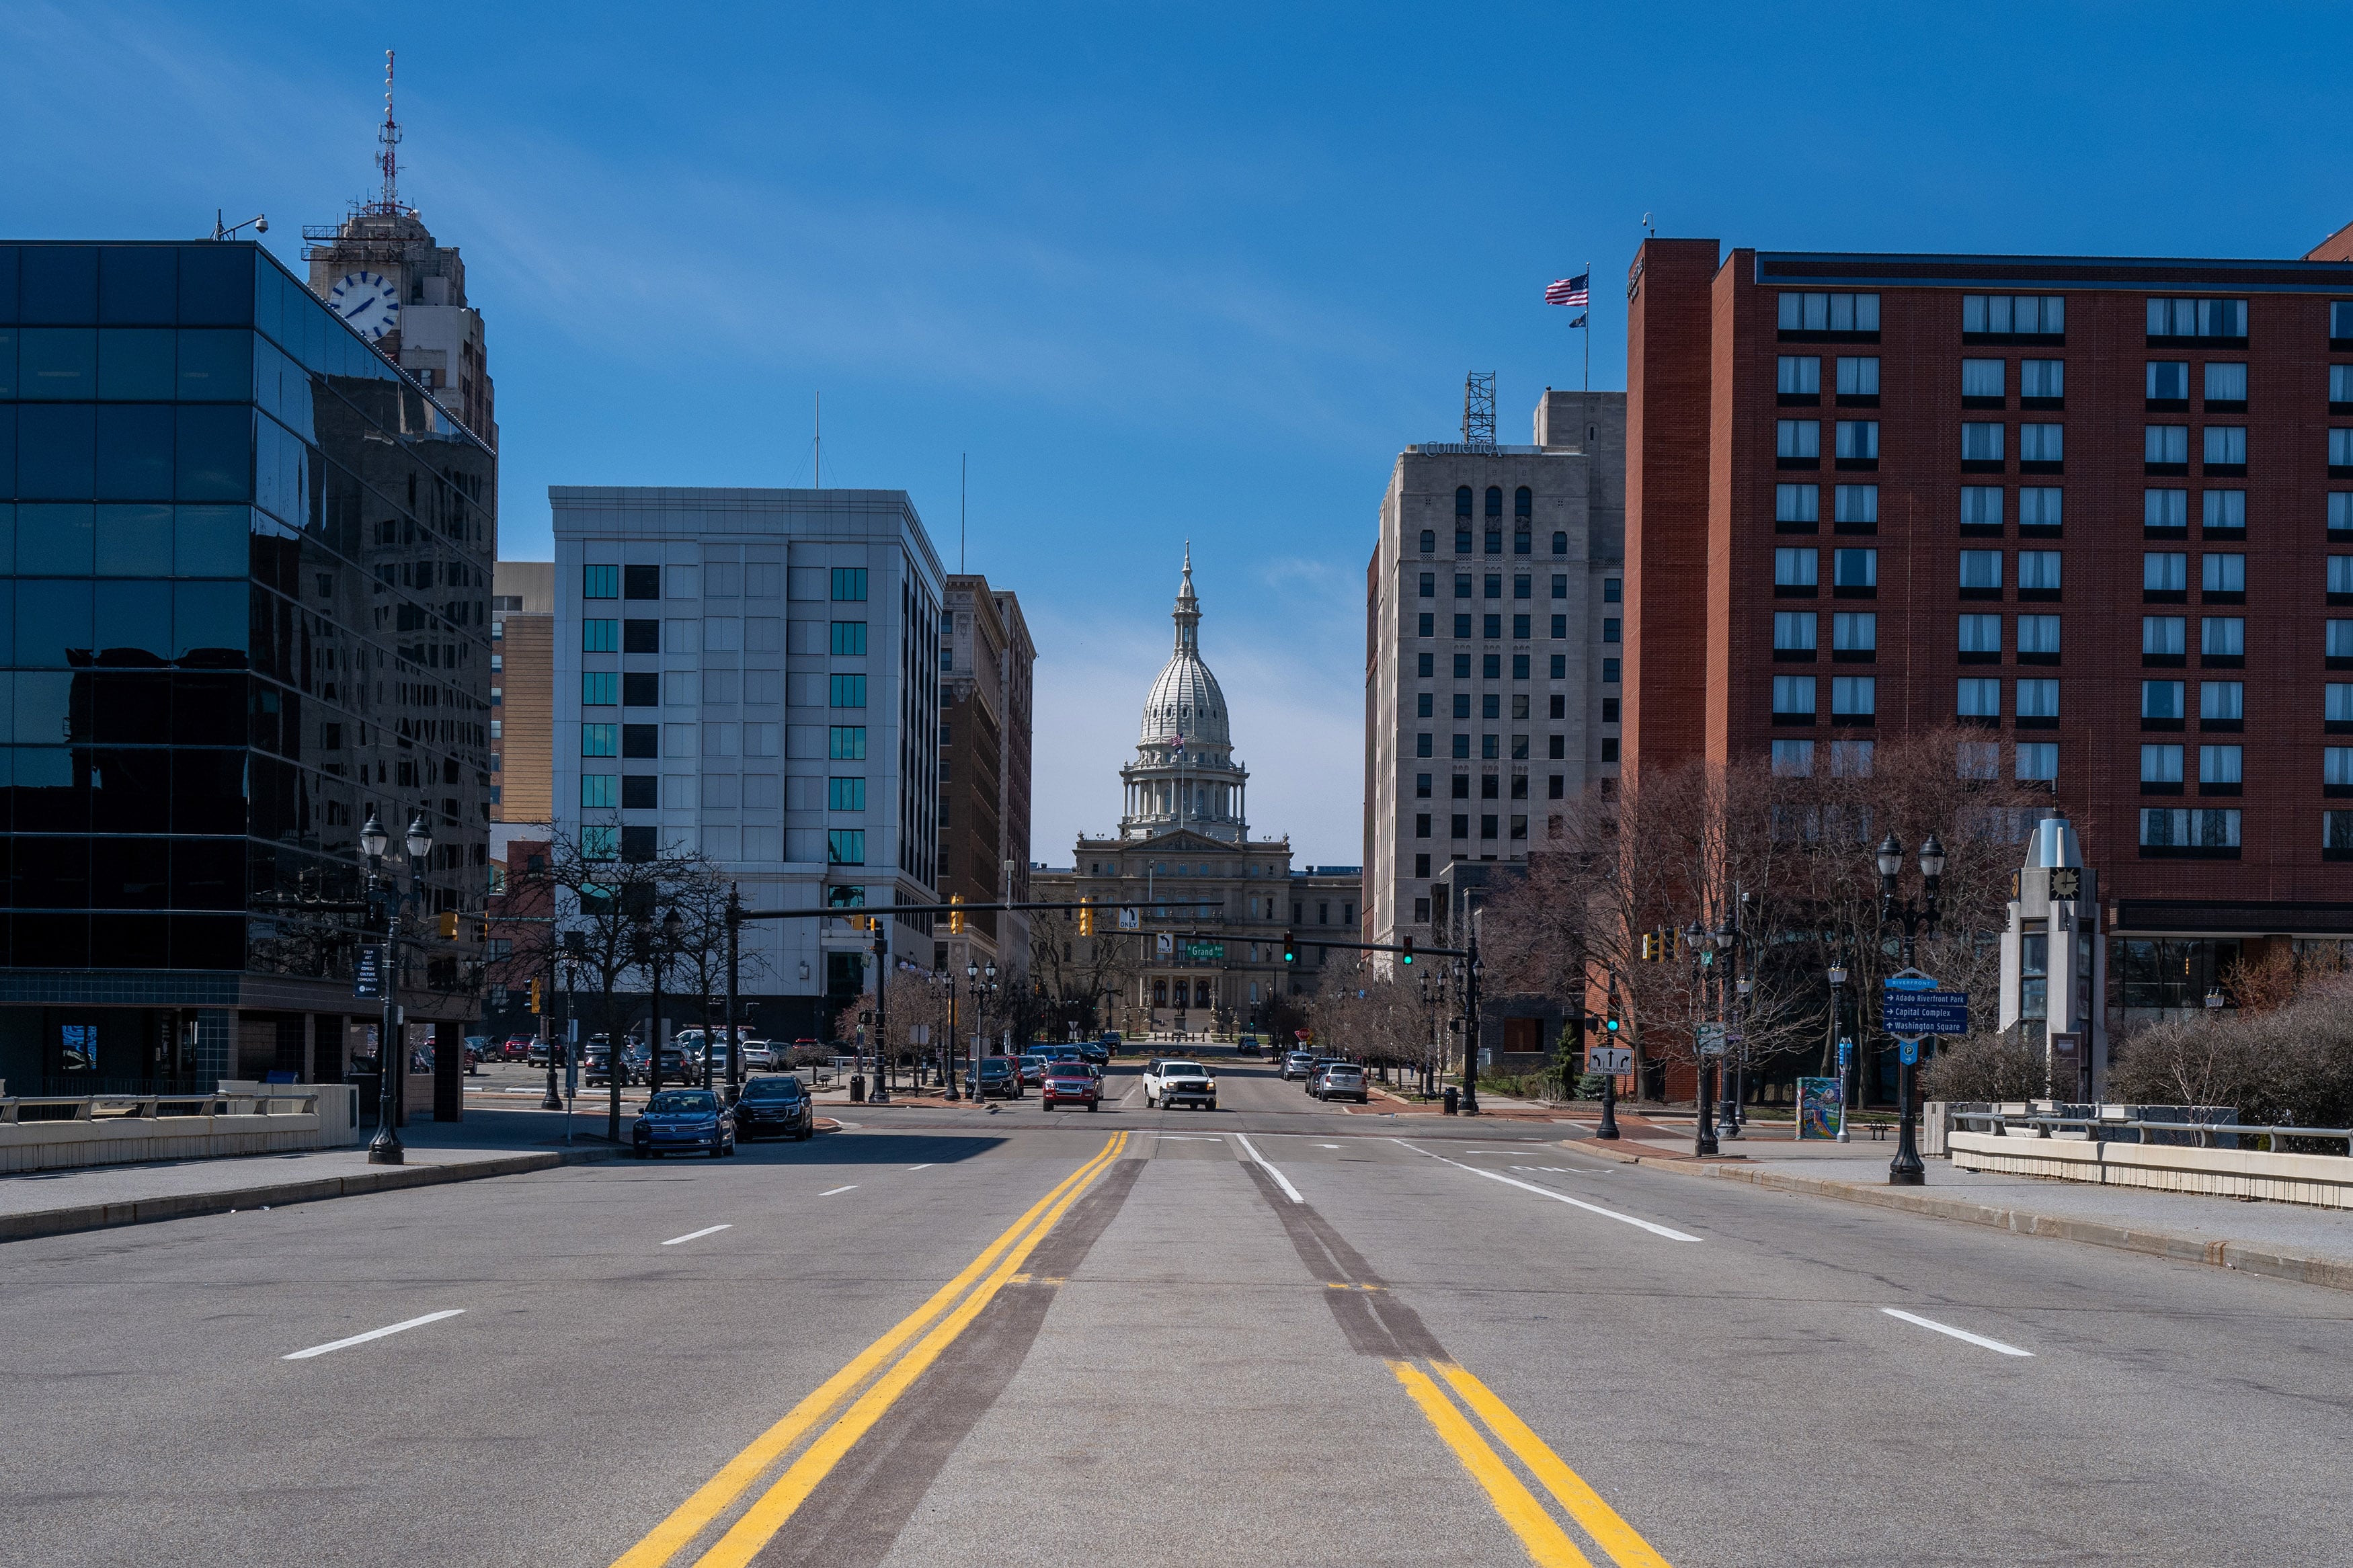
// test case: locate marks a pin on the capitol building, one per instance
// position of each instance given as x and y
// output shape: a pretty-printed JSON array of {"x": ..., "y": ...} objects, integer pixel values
[{"x": 1194, "y": 908}]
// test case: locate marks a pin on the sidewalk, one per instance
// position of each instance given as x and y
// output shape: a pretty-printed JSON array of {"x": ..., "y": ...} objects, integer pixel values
[
  {"x": 2285, "y": 1241},
  {"x": 487, "y": 1144}
]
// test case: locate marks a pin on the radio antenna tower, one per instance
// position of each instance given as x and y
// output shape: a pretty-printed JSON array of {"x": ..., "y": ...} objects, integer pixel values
[
  {"x": 388, "y": 138},
  {"x": 1478, "y": 409}
]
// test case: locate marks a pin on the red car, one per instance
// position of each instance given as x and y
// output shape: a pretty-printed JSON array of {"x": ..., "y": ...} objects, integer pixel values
[
  {"x": 516, "y": 1048},
  {"x": 1067, "y": 1083}
]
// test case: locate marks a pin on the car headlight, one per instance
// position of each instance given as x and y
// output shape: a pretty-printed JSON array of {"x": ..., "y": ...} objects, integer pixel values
[{"x": 1211, "y": 1086}]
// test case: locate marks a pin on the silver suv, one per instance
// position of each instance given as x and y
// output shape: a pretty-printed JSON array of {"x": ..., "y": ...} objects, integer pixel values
[
  {"x": 1298, "y": 1064},
  {"x": 1343, "y": 1080}
]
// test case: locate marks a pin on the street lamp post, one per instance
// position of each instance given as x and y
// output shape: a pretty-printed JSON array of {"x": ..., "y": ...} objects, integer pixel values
[
  {"x": 1728, "y": 1069},
  {"x": 1836, "y": 973},
  {"x": 948, "y": 1090},
  {"x": 1905, "y": 1170},
  {"x": 1703, "y": 1128},
  {"x": 551, "y": 1101},
  {"x": 391, "y": 1051},
  {"x": 1471, "y": 1018},
  {"x": 727, "y": 1018},
  {"x": 657, "y": 945}
]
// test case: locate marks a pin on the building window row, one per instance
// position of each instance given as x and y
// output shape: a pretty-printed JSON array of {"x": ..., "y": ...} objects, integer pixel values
[
  {"x": 2013, "y": 316},
  {"x": 1805, "y": 313}
]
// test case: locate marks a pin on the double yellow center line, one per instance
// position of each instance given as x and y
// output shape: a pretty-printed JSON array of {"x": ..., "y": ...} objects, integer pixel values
[
  {"x": 1548, "y": 1545},
  {"x": 947, "y": 1314}
]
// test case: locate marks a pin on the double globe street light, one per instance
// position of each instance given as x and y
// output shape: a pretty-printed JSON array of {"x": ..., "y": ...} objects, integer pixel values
[
  {"x": 1906, "y": 1169},
  {"x": 391, "y": 1051}
]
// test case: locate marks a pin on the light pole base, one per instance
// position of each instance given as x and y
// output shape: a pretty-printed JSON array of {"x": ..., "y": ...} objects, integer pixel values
[
  {"x": 1899, "y": 1176},
  {"x": 387, "y": 1150}
]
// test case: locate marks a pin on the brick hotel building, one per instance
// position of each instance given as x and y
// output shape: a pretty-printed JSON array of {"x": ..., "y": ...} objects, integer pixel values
[{"x": 2100, "y": 509}]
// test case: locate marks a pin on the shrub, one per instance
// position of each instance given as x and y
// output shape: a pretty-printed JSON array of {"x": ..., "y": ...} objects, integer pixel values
[
  {"x": 1983, "y": 1068},
  {"x": 2290, "y": 1066}
]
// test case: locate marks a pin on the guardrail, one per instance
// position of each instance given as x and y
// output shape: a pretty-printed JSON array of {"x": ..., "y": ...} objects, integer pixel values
[{"x": 2001, "y": 1121}]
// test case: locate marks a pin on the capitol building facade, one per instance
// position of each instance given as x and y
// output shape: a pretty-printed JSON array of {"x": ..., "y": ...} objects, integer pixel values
[{"x": 1194, "y": 908}]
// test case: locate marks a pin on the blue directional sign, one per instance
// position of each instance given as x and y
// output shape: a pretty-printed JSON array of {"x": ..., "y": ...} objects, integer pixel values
[
  {"x": 1910, "y": 979},
  {"x": 1908, "y": 1052},
  {"x": 1917, "y": 1013}
]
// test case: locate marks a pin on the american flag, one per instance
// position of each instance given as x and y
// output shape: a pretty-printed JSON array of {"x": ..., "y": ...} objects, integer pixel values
[
  {"x": 1178, "y": 740},
  {"x": 1568, "y": 290}
]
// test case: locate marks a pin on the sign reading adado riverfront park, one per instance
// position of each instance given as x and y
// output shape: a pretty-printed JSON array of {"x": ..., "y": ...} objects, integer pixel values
[{"x": 1911, "y": 1004}]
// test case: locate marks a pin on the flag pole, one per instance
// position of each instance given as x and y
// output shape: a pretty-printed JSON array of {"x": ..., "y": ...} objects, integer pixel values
[{"x": 1588, "y": 327}]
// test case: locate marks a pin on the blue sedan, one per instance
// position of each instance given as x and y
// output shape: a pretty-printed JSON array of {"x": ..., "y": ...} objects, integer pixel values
[{"x": 683, "y": 1119}]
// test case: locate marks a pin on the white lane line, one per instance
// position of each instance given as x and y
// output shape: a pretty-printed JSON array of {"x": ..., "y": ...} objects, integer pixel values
[
  {"x": 852, "y": 1187},
  {"x": 924, "y": 1166},
  {"x": 1279, "y": 1179},
  {"x": 1670, "y": 1234},
  {"x": 698, "y": 1235},
  {"x": 1956, "y": 1333},
  {"x": 1327, "y": 1145},
  {"x": 371, "y": 1334},
  {"x": 1190, "y": 1137}
]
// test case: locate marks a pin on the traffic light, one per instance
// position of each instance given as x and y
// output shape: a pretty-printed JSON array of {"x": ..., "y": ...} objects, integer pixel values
[
  {"x": 1407, "y": 956},
  {"x": 534, "y": 995},
  {"x": 1289, "y": 949},
  {"x": 1649, "y": 947},
  {"x": 1086, "y": 917},
  {"x": 448, "y": 925},
  {"x": 955, "y": 916}
]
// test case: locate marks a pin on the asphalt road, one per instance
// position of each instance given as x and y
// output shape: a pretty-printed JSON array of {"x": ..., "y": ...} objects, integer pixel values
[{"x": 976, "y": 1336}]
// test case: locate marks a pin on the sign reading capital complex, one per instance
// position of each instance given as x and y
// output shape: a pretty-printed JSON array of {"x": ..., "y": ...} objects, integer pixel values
[{"x": 1918, "y": 1013}]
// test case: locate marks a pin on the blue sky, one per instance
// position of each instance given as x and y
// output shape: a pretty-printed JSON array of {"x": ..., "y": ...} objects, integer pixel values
[{"x": 1162, "y": 273}]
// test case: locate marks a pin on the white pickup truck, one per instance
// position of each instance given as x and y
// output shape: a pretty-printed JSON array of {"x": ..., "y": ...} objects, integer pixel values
[{"x": 1168, "y": 1082}]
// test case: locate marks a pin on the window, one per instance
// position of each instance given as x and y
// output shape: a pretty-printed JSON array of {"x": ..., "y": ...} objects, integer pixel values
[
  {"x": 2226, "y": 508},
  {"x": 2226, "y": 446},
  {"x": 1981, "y": 571},
  {"x": 2337, "y": 769},
  {"x": 1523, "y": 502},
  {"x": 846, "y": 691},
  {"x": 2041, "y": 443},
  {"x": 600, "y": 582},
  {"x": 1858, "y": 439},
  {"x": 1428, "y": 542},
  {"x": 2340, "y": 388},
  {"x": 2341, "y": 641},
  {"x": 2226, "y": 382},
  {"x": 1986, "y": 378},
  {"x": 1978, "y": 760},
  {"x": 1421, "y": 705},
  {"x": 1857, "y": 504},
  {"x": 1461, "y": 626},
  {"x": 2223, "y": 702},
  {"x": 1981, "y": 442},
  {"x": 1428, "y": 626},
  {"x": 2340, "y": 452},
  {"x": 850, "y": 638},
  {"x": 2168, "y": 382},
  {"x": 1489, "y": 747},
  {"x": 1853, "y": 697},
  {"x": 845, "y": 742},
  {"x": 1854, "y": 568},
  {"x": 600, "y": 739},
  {"x": 1421, "y": 786},
  {"x": 2019, "y": 315},
  {"x": 1613, "y": 590},
  {"x": 2340, "y": 322},
  {"x": 1980, "y": 506},
  {"x": 845, "y": 846},
  {"x": 2198, "y": 319},
  {"x": 600, "y": 636},
  {"x": 1463, "y": 705},
  {"x": 1793, "y": 632},
  {"x": 641, "y": 636},
  {"x": 1491, "y": 667},
  {"x": 1462, "y": 666},
  {"x": 1519, "y": 588},
  {"x": 2223, "y": 636},
  {"x": 2165, "y": 509},
  {"x": 600, "y": 843},
  {"x": 1859, "y": 377},
  {"x": 2162, "y": 699},
  {"x": 1461, "y": 746},
  {"x": 1793, "y": 759},
  {"x": 2164, "y": 637},
  {"x": 1609, "y": 628},
  {"x": 2227, "y": 574},
  {"x": 1798, "y": 440},
  {"x": 2164, "y": 444},
  {"x": 2042, "y": 380},
  {"x": 1793, "y": 695},
  {"x": 2204, "y": 828},
  {"x": 1463, "y": 585},
  {"x": 2040, "y": 506},
  {"x": 2163, "y": 572},
  {"x": 1794, "y": 568},
  {"x": 845, "y": 794},
  {"x": 1421, "y": 825},
  {"x": 599, "y": 688},
  {"x": 1978, "y": 697},
  {"x": 1425, "y": 665},
  {"x": 2220, "y": 764},
  {"x": 2038, "y": 639},
  {"x": 1797, "y": 503},
  {"x": 599, "y": 791},
  {"x": 1799, "y": 376},
  {"x": 1829, "y": 312},
  {"x": 1981, "y": 635},
  {"x": 2038, "y": 699},
  {"x": 1495, "y": 501},
  {"x": 1608, "y": 670},
  {"x": 2037, "y": 759},
  {"x": 1492, "y": 626},
  {"x": 2336, "y": 835},
  {"x": 2038, "y": 571},
  {"x": 1421, "y": 744},
  {"x": 850, "y": 584},
  {"x": 2160, "y": 764}
]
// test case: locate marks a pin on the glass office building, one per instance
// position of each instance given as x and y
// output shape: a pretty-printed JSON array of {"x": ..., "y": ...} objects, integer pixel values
[{"x": 247, "y": 574}]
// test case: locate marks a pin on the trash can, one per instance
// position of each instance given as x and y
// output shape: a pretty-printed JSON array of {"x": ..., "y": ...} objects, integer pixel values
[
  {"x": 858, "y": 1088},
  {"x": 1453, "y": 1099}
]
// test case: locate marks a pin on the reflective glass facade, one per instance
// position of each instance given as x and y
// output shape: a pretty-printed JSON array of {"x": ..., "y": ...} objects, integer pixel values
[{"x": 246, "y": 586}]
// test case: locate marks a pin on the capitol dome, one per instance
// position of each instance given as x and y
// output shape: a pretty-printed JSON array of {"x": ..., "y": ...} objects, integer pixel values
[
  {"x": 1184, "y": 775},
  {"x": 1184, "y": 700}
]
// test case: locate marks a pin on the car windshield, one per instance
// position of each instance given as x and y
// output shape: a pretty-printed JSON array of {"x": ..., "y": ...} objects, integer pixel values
[
  {"x": 1347, "y": 1072},
  {"x": 697, "y": 1102},
  {"x": 1176, "y": 1069},
  {"x": 773, "y": 1088}
]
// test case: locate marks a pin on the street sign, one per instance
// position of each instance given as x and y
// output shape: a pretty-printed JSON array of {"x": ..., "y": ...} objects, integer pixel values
[
  {"x": 1167, "y": 943},
  {"x": 1910, "y": 979},
  {"x": 1131, "y": 919},
  {"x": 1908, "y": 1052},
  {"x": 1205, "y": 951},
  {"x": 1610, "y": 1061},
  {"x": 1920, "y": 1013},
  {"x": 367, "y": 975},
  {"x": 1711, "y": 1039}
]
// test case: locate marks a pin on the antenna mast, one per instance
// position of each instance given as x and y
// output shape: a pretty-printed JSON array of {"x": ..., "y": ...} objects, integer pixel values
[
  {"x": 1478, "y": 408},
  {"x": 388, "y": 138}
]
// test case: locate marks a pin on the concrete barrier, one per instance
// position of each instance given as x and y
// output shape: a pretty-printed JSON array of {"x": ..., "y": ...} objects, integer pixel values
[
  {"x": 120, "y": 1130},
  {"x": 2323, "y": 1180}
]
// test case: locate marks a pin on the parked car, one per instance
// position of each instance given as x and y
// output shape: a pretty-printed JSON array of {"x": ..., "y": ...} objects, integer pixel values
[
  {"x": 515, "y": 1048},
  {"x": 683, "y": 1119},
  {"x": 597, "y": 1067},
  {"x": 477, "y": 1047},
  {"x": 1343, "y": 1080},
  {"x": 759, "y": 1054},
  {"x": 1063, "y": 1086},
  {"x": 775, "y": 1103},
  {"x": 1315, "y": 1072},
  {"x": 993, "y": 1076},
  {"x": 1170, "y": 1082},
  {"x": 1298, "y": 1064},
  {"x": 535, "y": 1053},
  {"x": 1095, "y": 1052},
  {"x": 1033, "y": 1069}
]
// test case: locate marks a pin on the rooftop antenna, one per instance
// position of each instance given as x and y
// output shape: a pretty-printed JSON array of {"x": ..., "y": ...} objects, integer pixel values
[
  {"x": 388, "y": 137},
  {"x": 816, "y": 443},
  {"x": 1478, "y": 408},
  {"x": 964, "y": 468}
]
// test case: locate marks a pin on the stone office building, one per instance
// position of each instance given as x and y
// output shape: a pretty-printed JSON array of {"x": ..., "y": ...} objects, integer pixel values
[{"x": 247, "y": 571}]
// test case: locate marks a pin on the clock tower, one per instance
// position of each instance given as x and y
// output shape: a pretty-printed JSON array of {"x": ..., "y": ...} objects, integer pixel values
[{"x": 380, "y": 270}]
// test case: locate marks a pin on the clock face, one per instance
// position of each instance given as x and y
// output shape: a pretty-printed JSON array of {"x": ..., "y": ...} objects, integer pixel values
[{"x": 369, "y": 301}]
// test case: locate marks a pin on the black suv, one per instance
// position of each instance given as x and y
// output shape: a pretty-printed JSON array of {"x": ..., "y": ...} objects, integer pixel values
[
  {"x": 994, "y": 1075},
  {"x": 775, "y": 1103}
]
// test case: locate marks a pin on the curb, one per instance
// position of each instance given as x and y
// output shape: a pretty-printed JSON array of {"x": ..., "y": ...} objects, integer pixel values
[
  {"x": 2248, "y": 1258},
  {"x": 187, "y": 1206}
]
